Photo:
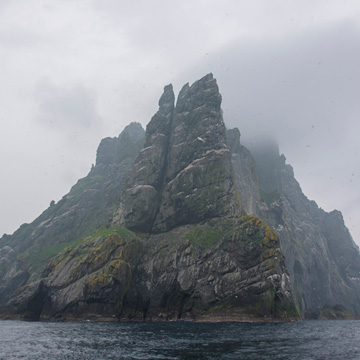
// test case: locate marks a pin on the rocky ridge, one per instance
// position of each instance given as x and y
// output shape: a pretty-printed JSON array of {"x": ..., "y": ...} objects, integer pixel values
[
  {"x": 179, "y": 222},
  {"x": 322, "y": 258},
  {"x": 89, "y": 205},
  {"x": 191, "y": 252}
]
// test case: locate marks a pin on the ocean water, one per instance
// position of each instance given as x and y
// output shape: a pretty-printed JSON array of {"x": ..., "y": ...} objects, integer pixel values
[{"x": 180, "y": 340}]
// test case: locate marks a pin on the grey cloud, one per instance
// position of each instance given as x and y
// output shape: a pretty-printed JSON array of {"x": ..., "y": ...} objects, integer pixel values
[
  {"x": 4, "y": 4},
  {"x": 289, "y": 87},
  {"x": 162, "y": 27},
  {"x": 17, "y": 38},
  {"x": 66, "y": 106}
]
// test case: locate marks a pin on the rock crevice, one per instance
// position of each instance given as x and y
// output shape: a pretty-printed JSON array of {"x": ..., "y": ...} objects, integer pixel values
[{"x": 185, "y": 164}]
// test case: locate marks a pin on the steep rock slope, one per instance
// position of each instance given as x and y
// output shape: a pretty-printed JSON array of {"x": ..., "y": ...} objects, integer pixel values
[
  {"x": 12, "y": 274},
  {"x": 323, "y": 260},
  {"x": 173, "y": 229},
  {"x": 89, "y": 204},
  {"x": 224, "y": 269},
  {"x": 245, "y": 175}
]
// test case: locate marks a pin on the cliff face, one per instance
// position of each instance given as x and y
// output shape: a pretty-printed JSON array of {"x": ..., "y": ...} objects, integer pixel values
[
  {"x": 245, "y": 174},
  {"x": 183, "y": 174},
  {"x": 323, "y": 260},
  {"x": 192, "y": 253},
  {"x": 224, "y": 269},
  {"x": 12, "y": 274},
  {"x": 221, "y": 270},
  {"x": 182, "y": 222}
]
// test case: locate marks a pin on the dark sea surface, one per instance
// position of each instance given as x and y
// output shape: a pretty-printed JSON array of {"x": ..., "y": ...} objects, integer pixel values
[{"x": 180, "y": 340}]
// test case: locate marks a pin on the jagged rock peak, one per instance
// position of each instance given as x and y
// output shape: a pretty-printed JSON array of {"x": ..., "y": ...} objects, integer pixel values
[
  {"x": 233, "y": 139},
  {"x": 160, "y": 122},
  {"x": 168, "y": 97},
  {"x": 183, "y": 174},
  {"x": 198, "y": 178},
  {"x": 134, "y": 131},
  {"x": 201, "y": 92},
  {"x": 112, "y": 150}
]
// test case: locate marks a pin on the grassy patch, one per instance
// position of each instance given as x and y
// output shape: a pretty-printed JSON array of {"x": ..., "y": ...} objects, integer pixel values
[
  {"x": 334, "y": 313},
  {"x": 37, "y": 255},
  {"x": 104, "y": 232},
  {"x": 204, "y": 235}
]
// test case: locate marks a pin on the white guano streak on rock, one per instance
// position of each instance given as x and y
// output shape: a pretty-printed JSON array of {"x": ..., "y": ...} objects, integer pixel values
[{"x": 198, "y": 162}]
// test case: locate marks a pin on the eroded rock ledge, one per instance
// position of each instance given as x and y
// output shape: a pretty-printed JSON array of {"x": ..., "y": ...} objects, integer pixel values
[{"x": 224, "y": 269}]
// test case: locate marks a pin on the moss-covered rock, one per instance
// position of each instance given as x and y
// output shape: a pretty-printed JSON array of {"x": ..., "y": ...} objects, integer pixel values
[
  {"x": 216, "y": 270},
  {"x": 208, "y": 272},
  {"x": 89, "y": 280},
  {"x": 88, "y": 206},
  {"x": 337, "y": 312}
]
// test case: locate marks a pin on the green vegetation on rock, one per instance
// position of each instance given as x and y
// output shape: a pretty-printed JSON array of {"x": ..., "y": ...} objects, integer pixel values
[
  {"x": 254, "y": 230},
  {"x": 203, "y": 236},
  {"x": 37, "y": 256}
]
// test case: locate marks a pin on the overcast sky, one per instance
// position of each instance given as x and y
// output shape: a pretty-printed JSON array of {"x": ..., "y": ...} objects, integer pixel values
[{"x": 75, "y": 71}]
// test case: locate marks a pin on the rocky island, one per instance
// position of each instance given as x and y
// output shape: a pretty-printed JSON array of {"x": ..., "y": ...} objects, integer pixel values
[{"x": 182, "y": 222}]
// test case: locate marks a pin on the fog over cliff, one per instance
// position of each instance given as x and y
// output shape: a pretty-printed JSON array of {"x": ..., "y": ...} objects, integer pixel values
[{"x": 75, "y": 72}]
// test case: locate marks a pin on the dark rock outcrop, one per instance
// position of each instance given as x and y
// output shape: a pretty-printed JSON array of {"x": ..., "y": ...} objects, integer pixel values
[
  {"x": 12, "y": 274},
  {"x": 245, "y": 174},
  {"x": 198, "y": 178},
  {"x": 140, "y": 201},
  {"x": 179, "y": 223},
  {"x": 322, "y": 258},
  {"x": 224, "y": 269}
]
